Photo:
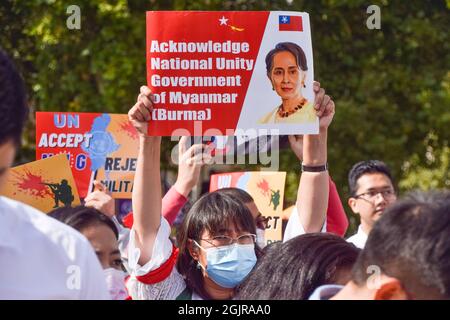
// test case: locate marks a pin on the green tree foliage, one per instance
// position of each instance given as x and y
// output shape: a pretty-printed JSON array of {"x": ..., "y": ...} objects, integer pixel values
[{"x": 391, "y": 86}]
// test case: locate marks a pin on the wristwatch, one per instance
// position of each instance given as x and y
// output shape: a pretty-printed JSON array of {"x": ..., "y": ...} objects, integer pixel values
[{"x": 315, "y": 168}]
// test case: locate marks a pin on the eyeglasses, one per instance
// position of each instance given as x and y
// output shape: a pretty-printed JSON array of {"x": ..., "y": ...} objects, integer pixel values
[
  {"x": 372, "y": 195},
  {"x": 223, "y": 240}
]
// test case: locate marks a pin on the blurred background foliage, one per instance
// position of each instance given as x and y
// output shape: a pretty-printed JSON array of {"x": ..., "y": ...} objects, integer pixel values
[{"x": 391, "y": 86}]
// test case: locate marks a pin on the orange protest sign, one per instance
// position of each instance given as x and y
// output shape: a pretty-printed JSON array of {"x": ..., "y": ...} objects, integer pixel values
[
  {"x": 43, "y": 184},
  {"x": 266, "y": 189}
]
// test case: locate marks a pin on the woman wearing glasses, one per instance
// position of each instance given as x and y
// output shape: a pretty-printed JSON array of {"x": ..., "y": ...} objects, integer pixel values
[
  {"x": 217, "y": 246},
  {"x": 216, "y": 241}
]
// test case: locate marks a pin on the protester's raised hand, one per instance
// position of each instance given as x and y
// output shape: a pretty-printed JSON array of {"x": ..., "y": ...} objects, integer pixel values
[
  {"x": 190, "y": 163},
  {"x": 324, "y": 106},
  {"x": 101, "y": 200},
  {"x": 139, "y": 114}
]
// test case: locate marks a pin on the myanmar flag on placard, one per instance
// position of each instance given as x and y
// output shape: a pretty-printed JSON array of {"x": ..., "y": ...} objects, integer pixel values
[{"x": 290, "y": 23}]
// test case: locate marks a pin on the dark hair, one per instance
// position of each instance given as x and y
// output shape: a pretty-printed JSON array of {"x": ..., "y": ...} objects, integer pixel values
[
  {"x": 13, "y": 107},
  {"x": 291, "y": 47},
  {"x": 238, "y": 194},
  {"x": 366, "y": 167},
  {"x": 410, "y": 242},
  {"x": 211, "y": 212},
  {"x": 82, "y": 217},
  {"x": 297, "y": 267}
]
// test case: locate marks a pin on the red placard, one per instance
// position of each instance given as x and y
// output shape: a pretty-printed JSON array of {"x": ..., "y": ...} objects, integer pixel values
[
  {"x": 227, "y": 39},
  {"x": 211, "y": 73},
  {"x": 99, "y": 146}
]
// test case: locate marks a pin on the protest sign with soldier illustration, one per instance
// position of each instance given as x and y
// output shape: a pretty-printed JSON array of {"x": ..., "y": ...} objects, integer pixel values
[
  {"x": 44, "y": 184},
  {"x": 266, "y": 189}
]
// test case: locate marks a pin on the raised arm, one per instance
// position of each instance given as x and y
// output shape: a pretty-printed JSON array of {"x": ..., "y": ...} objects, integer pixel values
[
  {"x": 313, "y": 190},
  {"x": 147, "y": 180}
]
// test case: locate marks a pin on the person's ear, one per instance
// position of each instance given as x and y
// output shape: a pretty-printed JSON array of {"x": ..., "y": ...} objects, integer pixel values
[
  {"x": 193, "y": 249},
  {"x": 353, "y": 205},
  {"x": 391, "y": 289}
]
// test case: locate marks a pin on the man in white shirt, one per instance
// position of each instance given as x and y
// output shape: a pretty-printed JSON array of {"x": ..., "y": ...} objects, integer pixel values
[
  {"x": 40, "y": 258},
  {"x": 372, "y": 191}
]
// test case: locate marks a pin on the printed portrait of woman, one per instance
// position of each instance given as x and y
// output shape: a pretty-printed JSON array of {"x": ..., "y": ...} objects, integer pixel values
[{"x": 286, "y": 69}]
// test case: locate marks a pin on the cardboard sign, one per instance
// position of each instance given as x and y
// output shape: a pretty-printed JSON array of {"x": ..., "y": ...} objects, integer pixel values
[
  {"x": 230, "y": 73},
  {"x": 266, "y": 188},
  {"x": 100, "y": 146},
  {"x": 45, "y": 184}
]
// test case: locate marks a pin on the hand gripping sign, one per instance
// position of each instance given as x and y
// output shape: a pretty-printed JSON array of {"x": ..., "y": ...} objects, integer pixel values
[{"x": 229, "y": 73}]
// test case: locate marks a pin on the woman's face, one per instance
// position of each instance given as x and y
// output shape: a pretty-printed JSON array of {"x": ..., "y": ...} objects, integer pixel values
[
  {"x": 286, "y": 77},
  {"x": 230, "y": 264},
  {"x": 211, "y": 241},
  {"x": 104, "y": 242}
]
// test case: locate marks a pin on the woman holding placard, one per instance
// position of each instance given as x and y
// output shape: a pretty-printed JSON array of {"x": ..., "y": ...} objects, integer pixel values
[{"x": 216, "y": 243}]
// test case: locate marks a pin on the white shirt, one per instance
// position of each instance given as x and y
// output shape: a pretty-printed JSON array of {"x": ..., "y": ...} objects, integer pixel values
[
  {"x": 359, "y": 238},
  {"x": 169, "y": 288},
  {"x": 295, "y": 228},
  {"x": 41, "y": 258}
]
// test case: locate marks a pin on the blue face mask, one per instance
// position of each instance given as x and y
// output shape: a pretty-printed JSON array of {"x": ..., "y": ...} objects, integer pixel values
[{"x": 229, "y": 265}]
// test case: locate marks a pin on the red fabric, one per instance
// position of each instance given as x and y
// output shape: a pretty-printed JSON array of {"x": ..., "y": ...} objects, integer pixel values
[
  {"x": 172, "y": 203},
  {"x": 162, "y": 272},
  {"x": 128, "y": 220},
  {"x": 337, "y": 221}
]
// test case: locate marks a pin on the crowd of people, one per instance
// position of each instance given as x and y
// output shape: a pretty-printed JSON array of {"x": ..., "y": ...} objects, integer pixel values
[{"x": 400, "y": 251}]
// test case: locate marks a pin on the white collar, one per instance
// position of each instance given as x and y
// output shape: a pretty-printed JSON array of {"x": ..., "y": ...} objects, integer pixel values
[
  {"x": 361, "y": 233},
  {"x": 359, "y": 238}
]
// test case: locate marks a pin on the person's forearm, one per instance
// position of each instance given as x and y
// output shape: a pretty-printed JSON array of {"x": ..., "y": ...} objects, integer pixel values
[
  {"x": 315, "y": 148},
  {"x": 147, "y": 196},
  {"x": 183, "y": 188},
  {"x": 312, "y": 197}
]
